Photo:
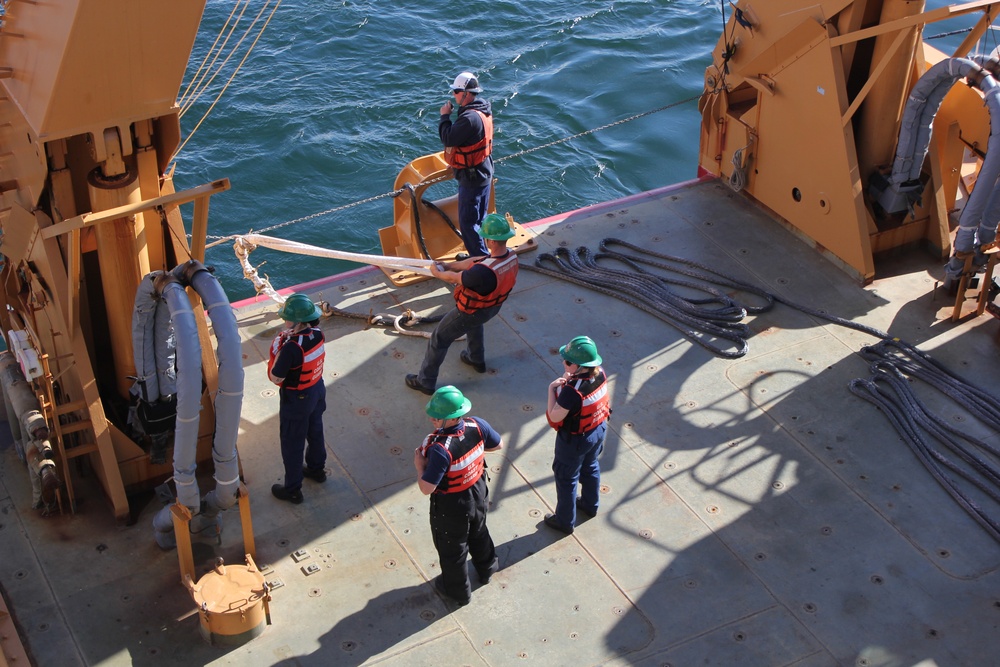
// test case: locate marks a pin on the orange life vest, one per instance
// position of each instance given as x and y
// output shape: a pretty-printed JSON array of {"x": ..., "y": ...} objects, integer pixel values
[
  {"x": 505, "y": 270},
  {"x": 595, "y": 405},
  {"x": 310, "y": 341},
  {"x": 463, "y": 157},
  {"x": 466, "y": 449}
]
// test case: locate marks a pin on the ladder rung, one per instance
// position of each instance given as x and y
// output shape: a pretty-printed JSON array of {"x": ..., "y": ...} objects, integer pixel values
[
  {"x": 80, "y": 450},
  {"x": 74, "y": 427},
  {"x": 66, "y": 408}
]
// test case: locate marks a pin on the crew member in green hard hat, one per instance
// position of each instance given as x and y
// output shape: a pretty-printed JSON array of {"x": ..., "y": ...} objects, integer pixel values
[
  {"x": 468, "y": 143},
  {"x": 295, "y": 364},
  {"x": 578, "y": 408},
  {"x": 450, "y": 465},
  {"x": 482, "y": 284}
]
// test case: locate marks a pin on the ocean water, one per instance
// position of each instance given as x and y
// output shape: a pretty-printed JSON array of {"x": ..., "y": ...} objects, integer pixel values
[{"x": 336, "y": 98}]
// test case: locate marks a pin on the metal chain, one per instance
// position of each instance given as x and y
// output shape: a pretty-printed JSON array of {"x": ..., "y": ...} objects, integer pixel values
[{"x": 216, "y": 240}]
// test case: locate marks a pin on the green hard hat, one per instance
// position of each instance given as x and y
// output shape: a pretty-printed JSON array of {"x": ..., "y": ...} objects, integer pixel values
[
  {"x": 581, "y": 351},
  {"x": 496, "y": 228},
  {"x": 299, "y": 308},
  {"x": 448, "y": 403}
]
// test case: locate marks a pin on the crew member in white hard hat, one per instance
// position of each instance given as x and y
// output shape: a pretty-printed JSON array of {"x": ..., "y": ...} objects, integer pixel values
[{"x": 468, "y": 142}]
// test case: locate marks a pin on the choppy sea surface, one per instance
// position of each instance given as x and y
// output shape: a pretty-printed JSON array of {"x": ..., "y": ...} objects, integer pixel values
[{"x": 335, "y": 98}]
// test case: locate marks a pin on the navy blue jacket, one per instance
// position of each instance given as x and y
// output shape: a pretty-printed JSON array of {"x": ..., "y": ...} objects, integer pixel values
[{"x": 465, "y": 131}]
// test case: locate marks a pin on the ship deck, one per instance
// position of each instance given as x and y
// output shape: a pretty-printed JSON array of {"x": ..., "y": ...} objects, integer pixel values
[{"x": 753, "y": 511}]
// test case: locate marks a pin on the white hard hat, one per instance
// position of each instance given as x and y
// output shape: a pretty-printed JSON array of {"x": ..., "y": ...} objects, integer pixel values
[{"x": 466, "y": 81}]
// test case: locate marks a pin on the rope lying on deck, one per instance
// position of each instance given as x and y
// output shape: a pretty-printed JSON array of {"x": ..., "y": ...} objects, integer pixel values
[
  {"x": 891, "y": 392},
  {"x": 651, "y": 292},
  {"x": 714, "y": 315}
]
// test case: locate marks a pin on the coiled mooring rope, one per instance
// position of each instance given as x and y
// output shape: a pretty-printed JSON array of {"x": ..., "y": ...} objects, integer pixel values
[{"x": 718, "y": 315}]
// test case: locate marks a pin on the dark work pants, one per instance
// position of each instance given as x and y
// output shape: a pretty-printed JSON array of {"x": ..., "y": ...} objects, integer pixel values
[
  {"x": 458, "y": 526},
  {"x": 301, "y": 422},
  {"x": 473, "y": 201},
  {"x": 576, "y": 462},
  {"x": 451, "y": 327}
]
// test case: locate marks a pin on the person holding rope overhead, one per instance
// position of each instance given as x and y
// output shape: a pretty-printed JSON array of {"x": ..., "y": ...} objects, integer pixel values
[
  {"x": 482, "y": 284},
  {"x": 578, "y": 408},
  {"x": 295, "y": 364},
  {"x": 468, "y": 143}
]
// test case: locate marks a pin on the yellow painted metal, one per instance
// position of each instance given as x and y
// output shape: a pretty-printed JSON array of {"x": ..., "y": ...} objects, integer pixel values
[
  {"x": 415, "y": 219},
  {"x": 246, "y": 521},
  {"x": 774, "y": 92},
  {"x": 232, "y": 603},
  {"x": 89, "y": 96},
  {"x": 12, "y": 653}
]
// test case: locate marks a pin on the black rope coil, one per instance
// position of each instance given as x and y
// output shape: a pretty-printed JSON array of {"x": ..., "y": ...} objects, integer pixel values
[{"x": 646, "y": 280}]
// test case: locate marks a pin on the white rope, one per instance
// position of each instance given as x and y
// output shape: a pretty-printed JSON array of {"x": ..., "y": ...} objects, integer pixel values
[
  {"x": 421, "y": 266},
  {"x": 245, "y": 244}
]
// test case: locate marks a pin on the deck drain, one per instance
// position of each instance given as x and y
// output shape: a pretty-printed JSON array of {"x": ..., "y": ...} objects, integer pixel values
[
  {"x": 944, "y": 553},
  {"x": 267, "y": 393},
  {"x": 355, "y": 517},
  {"x": 576, "y": 560},
  {"x": 655, "y": 239},
  {"x": 398, "y": 355},
  {"x": 877, "y": 580},
  {"x": 739, "y": 636},
  {"x": 282, "y": 542},
  {"x": 315, "y": 592},
  {"x": 605, "y": 489},
  {"x": 628, "y": 425},
  {"x": 646, "y": 534},
  {"x": 809, "y": 608},
  {"x": 363, "y": 412},
  {"x": 527, "y": 408},
  {"x": 427, "y": 615},
  {"x": 615, "y": 333},
  {"x": 574, "y": 635},
  {"x": 488, "y": 642},
  {"x": 348, "y": 646},
  {"x": 778, "y": 486},
  {"x": 534, "y": 514},
  {"x": 495, "y": 469},
  {"x": 395, "y": 451},
  {"x": 390, "y": 564},
  {"x": 690, "y": 583},
  {"x": 712, "y": 509},
  {"x": 670, "y": 465},
  {"x": 760, "y": 555},
  {"x": 826, "y": 530},
  {"x": 579, "y": 300},
  {"x": 523, "y": 655}
]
